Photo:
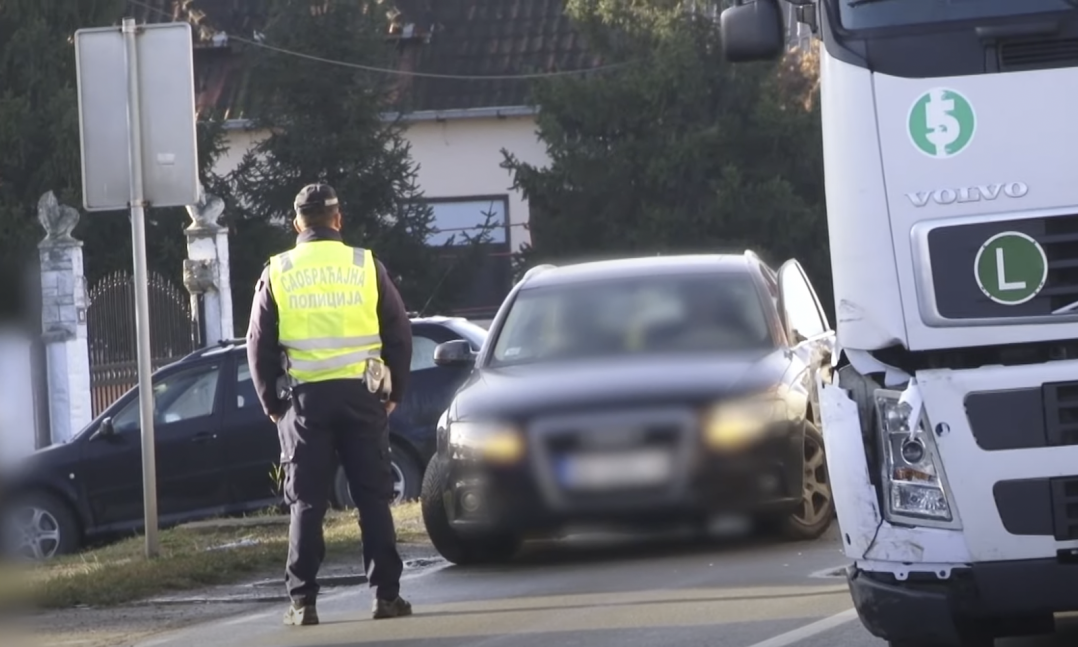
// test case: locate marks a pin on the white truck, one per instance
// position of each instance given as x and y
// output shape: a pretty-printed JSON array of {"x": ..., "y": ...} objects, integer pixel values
[{"x": 950, "y": 134}]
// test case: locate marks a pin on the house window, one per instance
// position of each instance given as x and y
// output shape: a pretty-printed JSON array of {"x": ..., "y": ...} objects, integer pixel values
[{"x": 458, "y": 219}]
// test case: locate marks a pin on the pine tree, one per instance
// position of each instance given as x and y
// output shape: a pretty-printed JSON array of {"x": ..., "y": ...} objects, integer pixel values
[
  {"x": 39, "y": 147},
  {"x": 327, "y": 126},
  {"x": 677, "y": 151}
]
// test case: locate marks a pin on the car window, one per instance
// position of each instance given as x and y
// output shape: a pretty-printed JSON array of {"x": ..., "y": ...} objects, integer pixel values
[
  {"x": 712, "y": 312},
  {"x": 181, "y": 396},
  {"x": 423, "y": 352},
  {"x": 246, "y": 396},
  {"x": 801, "y": 310}
]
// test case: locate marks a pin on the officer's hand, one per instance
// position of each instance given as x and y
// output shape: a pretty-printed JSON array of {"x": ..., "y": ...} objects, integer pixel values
[{"x": 390, "y": 406}]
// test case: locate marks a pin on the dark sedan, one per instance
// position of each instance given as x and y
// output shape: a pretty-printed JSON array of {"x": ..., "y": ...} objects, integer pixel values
[
  {"x": 216, "y": 450},
  {"x": 635, "y": 392}
]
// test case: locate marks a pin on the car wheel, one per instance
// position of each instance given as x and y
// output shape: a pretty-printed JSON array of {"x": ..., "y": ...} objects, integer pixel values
[
  {"x": 458, "y": 549},
  {"x": 407, "y": 480},
  {"x": 814, "y": 515},
  {"x": 38, "y": 527}
]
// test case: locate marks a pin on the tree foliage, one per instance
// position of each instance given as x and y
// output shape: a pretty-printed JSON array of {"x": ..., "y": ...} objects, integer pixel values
[
  {"x": 678, "y": 151},
  {"x": 39, "y": 140},
  {"x": 326, "y": 125}
]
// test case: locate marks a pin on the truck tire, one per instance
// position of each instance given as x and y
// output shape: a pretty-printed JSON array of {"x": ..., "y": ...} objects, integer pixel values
[{"x": 455, "y": 548}]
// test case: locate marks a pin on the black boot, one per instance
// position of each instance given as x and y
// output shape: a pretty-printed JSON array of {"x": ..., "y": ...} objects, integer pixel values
[
  {"x": 301, "y": 614},
  {"x": 392, "y": 609}
]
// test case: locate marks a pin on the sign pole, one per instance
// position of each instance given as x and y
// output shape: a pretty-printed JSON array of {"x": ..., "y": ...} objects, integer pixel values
[{"x": 142, "y": 298}]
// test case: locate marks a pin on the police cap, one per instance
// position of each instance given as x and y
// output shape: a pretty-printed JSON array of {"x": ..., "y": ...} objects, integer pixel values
[{"x": 314, "y": 196}]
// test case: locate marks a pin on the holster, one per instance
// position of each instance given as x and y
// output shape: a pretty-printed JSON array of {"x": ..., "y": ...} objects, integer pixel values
[{"x": 379, "y": 379}]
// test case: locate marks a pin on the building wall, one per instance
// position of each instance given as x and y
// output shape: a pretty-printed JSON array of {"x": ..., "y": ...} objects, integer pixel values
[{"x": 459, "y": 160}]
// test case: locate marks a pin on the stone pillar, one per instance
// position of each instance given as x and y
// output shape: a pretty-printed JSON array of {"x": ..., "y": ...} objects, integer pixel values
[
  {"x": 205, "y": 272},
  {"x": 63, "y": 320}
]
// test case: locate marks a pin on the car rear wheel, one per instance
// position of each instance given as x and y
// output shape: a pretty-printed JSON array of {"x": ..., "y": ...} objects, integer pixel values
[
  {"x": 458, "y": 549},
  {"x": 407, "y": 480},
  {"x": 814, "y": 514},
  {"x": 38, "y": 526}
]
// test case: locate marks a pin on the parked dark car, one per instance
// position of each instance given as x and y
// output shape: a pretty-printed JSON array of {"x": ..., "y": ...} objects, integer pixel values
[
  {"x": 634, "y": 393},
  {"x": 216, "y": 450}
]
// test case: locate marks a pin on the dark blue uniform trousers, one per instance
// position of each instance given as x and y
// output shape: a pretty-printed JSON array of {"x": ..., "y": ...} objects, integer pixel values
[{"x": 338, "y": 418}]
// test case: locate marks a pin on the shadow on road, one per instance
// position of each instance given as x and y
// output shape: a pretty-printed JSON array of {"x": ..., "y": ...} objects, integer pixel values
[{"x": 621, "y": 547}]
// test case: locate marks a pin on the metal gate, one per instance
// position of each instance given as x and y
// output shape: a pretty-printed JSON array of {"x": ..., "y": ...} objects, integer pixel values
[{"x": 110, "y": 323}]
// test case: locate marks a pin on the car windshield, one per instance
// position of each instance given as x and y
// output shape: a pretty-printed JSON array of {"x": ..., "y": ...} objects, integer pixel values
[
  {"x": 870, "y": 14},
  {"x": 643, "y": 315}
]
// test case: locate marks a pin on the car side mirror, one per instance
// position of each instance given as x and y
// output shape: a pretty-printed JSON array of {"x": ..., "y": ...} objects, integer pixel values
[
  {"x": 752, "y": 30},
  {"x": 456, "y": 353},
  {"x": 105, "y": 430}
]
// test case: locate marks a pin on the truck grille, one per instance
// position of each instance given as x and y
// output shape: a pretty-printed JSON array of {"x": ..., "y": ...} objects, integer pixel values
[
  {"x": 1065, "y": 508},
  {"x": 1060, "y": 242},
  {"x": 1061, "y": 413},
  {"x": 953, "y": 250},
  {"x": 1037, "y": 54}
]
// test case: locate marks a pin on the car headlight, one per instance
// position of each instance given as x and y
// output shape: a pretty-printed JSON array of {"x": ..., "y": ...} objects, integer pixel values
[
  {"x": 492, "y": 441},
  {"x": 913, "y": 477},
  {"x": 738, "y": 423}
]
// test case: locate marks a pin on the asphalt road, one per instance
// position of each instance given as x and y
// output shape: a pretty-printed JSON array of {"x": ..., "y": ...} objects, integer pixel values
[{"x": 598, "y": 593}]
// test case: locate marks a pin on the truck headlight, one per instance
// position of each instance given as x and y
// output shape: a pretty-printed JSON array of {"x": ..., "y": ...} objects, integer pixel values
[
  {"x": 491, "y": 441},
  {"x": 736, "y": 424},
  {"x": 913, "y": 480}
]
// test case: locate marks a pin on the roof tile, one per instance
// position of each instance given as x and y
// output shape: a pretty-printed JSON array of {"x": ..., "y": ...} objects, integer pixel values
[{"x": 451, "y": 37}]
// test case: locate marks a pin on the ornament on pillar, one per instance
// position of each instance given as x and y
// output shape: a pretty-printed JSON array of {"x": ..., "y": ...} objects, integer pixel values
[
  {"x": 63, "y": 319},
  {"x": 206, "y": 272}
]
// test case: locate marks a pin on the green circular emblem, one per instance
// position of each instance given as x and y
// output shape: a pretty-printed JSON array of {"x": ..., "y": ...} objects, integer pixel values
[
  {"x": 1011, "y": 268},
  {"x": 942, "y": 123}
]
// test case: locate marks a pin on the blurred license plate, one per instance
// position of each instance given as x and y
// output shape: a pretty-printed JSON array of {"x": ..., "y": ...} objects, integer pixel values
[{"x": 623, "y": 469}]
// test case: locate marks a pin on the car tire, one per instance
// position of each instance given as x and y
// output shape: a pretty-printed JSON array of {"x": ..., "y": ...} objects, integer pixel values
[
  {"x": 455, "y": 548},
  {"x": 406, "y": 475},
  {"x": 57, "y": 527},
  {"x": 817, "y": 511}
]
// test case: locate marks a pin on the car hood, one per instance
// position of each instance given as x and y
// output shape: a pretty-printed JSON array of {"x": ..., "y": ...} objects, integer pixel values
[
  {"x": 524, "y": 390},
  {"x": 36, "y": 465}
]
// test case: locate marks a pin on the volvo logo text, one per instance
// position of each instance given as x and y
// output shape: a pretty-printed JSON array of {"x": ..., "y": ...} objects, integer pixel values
[{"x": 978, "y": 193}]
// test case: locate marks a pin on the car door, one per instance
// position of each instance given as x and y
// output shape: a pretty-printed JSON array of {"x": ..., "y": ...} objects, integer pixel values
[
  {"x": 430, "y": 387},
  {"x": 189, "y": 465},
  {"x": 807, "y": 328},
  {"x": 250, "y": 444}
]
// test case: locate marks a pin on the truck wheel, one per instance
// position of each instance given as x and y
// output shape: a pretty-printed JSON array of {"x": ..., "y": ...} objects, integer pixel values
[
  {"x": 458, "y": 549},
  {"x": 814, "y": 515}
]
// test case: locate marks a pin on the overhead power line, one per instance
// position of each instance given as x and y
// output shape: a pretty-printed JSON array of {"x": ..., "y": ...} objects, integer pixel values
[{"x": 396, "y": 72}]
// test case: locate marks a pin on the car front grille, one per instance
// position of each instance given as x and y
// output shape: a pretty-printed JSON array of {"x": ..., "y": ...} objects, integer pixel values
[{"x": 558, "y": 439}]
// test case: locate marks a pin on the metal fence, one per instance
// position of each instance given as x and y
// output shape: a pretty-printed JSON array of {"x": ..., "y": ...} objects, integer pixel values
[{"x": 110, "y": 321}]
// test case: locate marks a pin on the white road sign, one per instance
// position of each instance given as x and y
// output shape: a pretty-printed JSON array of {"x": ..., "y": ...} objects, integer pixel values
[{"x": 166, "y": 107}]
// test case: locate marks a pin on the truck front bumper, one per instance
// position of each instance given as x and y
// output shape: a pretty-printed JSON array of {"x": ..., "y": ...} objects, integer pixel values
[{"x": 997, "y": 598}]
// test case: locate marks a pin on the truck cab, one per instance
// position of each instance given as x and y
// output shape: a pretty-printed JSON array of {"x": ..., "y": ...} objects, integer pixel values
[{"x": 952, "y": 425}]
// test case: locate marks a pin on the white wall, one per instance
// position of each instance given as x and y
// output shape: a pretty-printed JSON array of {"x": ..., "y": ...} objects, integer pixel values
[
  {"x": 18, "y": 408},
  {"x": 457, "y": 159},
  {"x": 462, "y": 158}
]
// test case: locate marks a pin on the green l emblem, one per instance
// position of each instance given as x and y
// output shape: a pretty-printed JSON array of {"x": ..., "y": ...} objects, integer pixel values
[{"x": 1011, "y": 268}]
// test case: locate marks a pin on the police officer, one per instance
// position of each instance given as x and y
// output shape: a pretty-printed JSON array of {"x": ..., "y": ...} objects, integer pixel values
[{"x": 326, "y": 327}]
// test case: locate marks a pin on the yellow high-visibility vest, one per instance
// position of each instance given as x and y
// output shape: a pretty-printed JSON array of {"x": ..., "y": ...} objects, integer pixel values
[{"x": 327, "y": 303}]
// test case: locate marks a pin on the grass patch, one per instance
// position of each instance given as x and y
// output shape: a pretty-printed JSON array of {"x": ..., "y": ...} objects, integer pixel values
[{"x": 191, "y": 557}]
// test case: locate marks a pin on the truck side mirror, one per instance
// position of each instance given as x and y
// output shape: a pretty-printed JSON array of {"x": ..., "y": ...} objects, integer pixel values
[{"x": 752, "y": 31}]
